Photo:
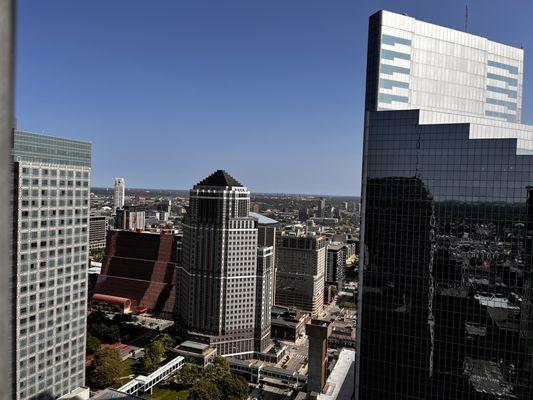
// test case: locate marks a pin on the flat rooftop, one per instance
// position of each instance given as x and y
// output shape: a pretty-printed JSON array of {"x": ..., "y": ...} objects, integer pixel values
[
  {"x": 193, "y": 345},
  {"x": 340, "y": 384}
]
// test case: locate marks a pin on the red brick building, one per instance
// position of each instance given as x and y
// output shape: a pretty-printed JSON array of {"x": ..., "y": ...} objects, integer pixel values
[{"x": 140, "y": 267}]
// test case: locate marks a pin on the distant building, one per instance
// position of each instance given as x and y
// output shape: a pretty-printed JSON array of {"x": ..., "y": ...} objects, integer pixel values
[
  {"x": 255, "y": 207},
  {"x": 217, "y": 278},
  {"x": 322, "y": 208},
  {"x": 97, "y": 231},
  {"x": 350, "y": 249},
  {"x": 130, "y": 218},
  {"x": 163, "y": 216},
  {"x": 303, "y": 214},
  {"x": 300, "y": 272},
  {"x": 336, "y": 264},
  {"x": 164, "y": 206},
  {"x": 118, "y": 198},
  {"x": 140, "y": 267},
  {"x": 325, "y": 220},
  {"x": 352, "y": 240},
  {"x": 329, "y": 294},
  {"x": 318, "y": 332}
]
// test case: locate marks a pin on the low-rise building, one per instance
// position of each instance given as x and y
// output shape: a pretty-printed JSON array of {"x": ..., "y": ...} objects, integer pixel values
[
  {"x": 132, "y": 218},
  {"x": 200, "y": 354},
  {"x": 97, "y": 231},
  {"x": 340, "y": 384},
  {"x": 288, "y": 324},
  {"x": 342, "y": 335},
  {"x": 140, "y": 267}
]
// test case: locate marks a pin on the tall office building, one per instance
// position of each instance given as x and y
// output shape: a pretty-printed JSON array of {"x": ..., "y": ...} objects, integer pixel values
[
  {"x": 266, "y": 279},
  {"x": 217, "y": 278},
  {"x": 300, "y": 272},
  {"x": 444, "y": 292},
  {"x": 51, "y": 213},
  {"x": 263, "y": 297},
  {"x": 118, "y": 196},
  {"x": 322, "y": 208},
  {"x": 336, "y": 264}
]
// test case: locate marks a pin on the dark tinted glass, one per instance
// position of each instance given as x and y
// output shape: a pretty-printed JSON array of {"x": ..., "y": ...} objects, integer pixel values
[{"x": 447, "y": 281}]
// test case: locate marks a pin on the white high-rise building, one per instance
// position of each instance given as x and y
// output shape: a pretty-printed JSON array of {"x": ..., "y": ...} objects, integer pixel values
[
  {"x": 51, "y": 219},
  {"x": 118, "y": 197},
  {"x": 417, "y": 65}
]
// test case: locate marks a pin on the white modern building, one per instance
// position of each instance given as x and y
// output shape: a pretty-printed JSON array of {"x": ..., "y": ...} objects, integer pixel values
[
  {"x": 418, "y": 65},
  {"x": 118, "y": 197},
  {"x": 51, "y": 201}
]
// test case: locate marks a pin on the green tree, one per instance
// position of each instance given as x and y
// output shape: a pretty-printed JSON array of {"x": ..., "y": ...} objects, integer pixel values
[
  {"x": 234, "y": 387},
  {"x": 106, "y": 368},
  {"x": 148, "y": 365},
  {"x": 152, "y": 356},
  {"x": 204, "y": 390},
  {"x": 93, "y": 344},
  {"x": 106, "y": 332},
  {"x": 112, "y": 334},
  {"x": 97, "y": 317},
  {"x": 96, "y": 254},
  {"x": 347, "y": 304},
  {"x": 167, "y": 341},
  {"x": 189, "y": 374},
  {"x": 217, "y": 371}
]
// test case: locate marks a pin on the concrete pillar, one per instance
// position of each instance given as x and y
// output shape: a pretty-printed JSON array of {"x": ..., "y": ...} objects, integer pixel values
[
  {"x": 318, "y": 332},
  {"x": 7, "y": 372}
]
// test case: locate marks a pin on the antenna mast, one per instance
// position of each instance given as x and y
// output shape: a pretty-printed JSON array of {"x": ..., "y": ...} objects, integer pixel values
[{"x": 466, "y": 18}]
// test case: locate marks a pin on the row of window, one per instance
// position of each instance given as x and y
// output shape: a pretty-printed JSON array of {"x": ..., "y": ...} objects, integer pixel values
[
  {"x": 52, "y": 182},
  {"x": 54, "y": 172}
]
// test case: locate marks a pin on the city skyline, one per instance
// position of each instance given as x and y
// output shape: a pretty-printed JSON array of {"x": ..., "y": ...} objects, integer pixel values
[
  {"x": 94, "y": 86},
  {"x": 260, "y": 276}
]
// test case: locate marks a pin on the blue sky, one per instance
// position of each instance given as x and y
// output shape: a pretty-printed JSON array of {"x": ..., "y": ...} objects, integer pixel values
[{"x": 272, "y": 91}]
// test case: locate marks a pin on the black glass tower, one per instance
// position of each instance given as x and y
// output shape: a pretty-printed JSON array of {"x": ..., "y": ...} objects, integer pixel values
[{"x": 445, "y": 285}]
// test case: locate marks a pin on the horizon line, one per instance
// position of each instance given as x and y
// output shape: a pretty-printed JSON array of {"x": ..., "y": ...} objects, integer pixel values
[{"x": 187, "y": 190}]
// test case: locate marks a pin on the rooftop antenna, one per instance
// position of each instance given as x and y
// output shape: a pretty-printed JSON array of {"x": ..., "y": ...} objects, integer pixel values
[{"x": 466, "y": 18}]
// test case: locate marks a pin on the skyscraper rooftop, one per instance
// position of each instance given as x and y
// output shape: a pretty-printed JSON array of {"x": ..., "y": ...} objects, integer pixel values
[{"x": 220, "y": 178}]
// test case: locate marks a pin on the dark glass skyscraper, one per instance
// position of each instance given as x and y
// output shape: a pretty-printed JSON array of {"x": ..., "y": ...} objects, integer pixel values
[{"x": 446, "y": 257}]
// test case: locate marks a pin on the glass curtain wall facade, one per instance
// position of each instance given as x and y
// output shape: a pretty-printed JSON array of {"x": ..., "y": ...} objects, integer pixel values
[
  {"x": 51, "y": 212},
  {"x": 445, "y": 280}
]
